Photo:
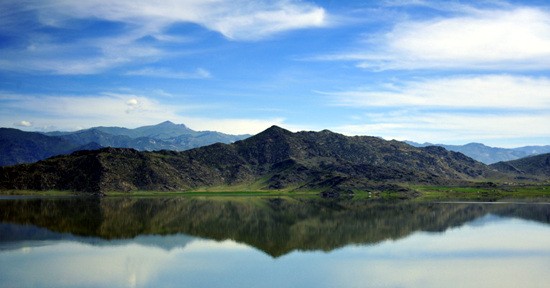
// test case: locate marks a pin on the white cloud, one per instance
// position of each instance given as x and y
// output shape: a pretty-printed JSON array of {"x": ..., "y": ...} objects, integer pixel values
[
  {"x": 115, "y": 109},
  {"x": 512, "y": 38},
  {"x": 23, "y": 123},
  {"x": 453, "y": 128},
  {"x": 70, "y": 111},
  {"x": 459, "y": 109},
  {"x": 485, "y": 91},
  {"x": 252, "y": 24},
  {"x": 132, "y": 102}
]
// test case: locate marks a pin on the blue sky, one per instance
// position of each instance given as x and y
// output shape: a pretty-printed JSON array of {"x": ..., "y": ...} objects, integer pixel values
[{"x": 439, "y": 71}]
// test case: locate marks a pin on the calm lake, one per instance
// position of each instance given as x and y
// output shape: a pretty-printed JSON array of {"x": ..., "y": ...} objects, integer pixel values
[{"x": 271, "y": 242}]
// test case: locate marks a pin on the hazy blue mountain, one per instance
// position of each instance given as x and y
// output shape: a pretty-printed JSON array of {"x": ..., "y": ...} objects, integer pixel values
[
  {"x": 534, "y": 150},
  {"x": 164, "y": 130},
  {"x": 17, "y": 146},
  {"x": 84, "y": 137},
  {"x": 487, "y": 154},
  {"x": 163, "y": 136}
]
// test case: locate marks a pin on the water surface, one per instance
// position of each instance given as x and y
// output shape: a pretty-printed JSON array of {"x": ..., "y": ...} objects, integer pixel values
[{"x": 262, "y": 242}]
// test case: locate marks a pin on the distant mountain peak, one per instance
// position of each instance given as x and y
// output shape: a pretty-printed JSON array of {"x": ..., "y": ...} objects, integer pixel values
[
  {"x": 275, "y": 130},
  {"x": 476, "y": 144},
  {"x": 167, "y": 123}
]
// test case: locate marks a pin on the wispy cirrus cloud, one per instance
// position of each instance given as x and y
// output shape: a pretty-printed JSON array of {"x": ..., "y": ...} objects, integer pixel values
[
  {"x": 81, "y": 57},
  {"x": 199, "y": 73},
  {"x": 453, "y": 92},
  {"x": 29, "y": 24},
  {"x": 505, "y": 37},
  {"x": 256, "y": 20},
  {"x": 239, "y": 20}
]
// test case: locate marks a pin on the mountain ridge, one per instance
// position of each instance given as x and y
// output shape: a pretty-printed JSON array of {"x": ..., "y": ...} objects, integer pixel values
[
  {"x": 271, "y": 160},
  {"x": 18, "y": 146},
  {"x": 487, "y": 154},
  {"x": 28, "y": 147},
  {"x": 538, "y": 165}
]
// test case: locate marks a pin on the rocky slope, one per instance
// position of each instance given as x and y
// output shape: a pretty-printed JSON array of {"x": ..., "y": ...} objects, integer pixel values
[
  {"x": 528, "y": 167},
  {"x": 273, "y": 159}
]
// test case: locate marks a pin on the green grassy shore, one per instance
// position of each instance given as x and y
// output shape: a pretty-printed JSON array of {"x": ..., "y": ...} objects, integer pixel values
[
  {"x": 422, "y": 193},
  {"x": 480, "y": 193}
]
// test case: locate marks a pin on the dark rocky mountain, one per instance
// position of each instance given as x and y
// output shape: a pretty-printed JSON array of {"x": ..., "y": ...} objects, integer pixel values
[
  {"x": 273, "y": 159},
  {"x": 27, "y": 147},
  {"x": 490, "y": 155},
  {"x": 538, "y": 166}
]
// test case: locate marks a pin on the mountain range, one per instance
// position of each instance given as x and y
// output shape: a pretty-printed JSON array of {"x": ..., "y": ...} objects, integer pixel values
[
  {"x": 490, "y": 155},
  {"x": 27, "y": 147},
  {"x": 275, "y": 159},
  {"x": 18, "y": 146}
]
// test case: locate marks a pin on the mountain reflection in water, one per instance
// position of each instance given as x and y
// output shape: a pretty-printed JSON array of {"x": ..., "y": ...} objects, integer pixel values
[
  {"x": 271, "y": 243},
  {"x": 276, "y": 226}
]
